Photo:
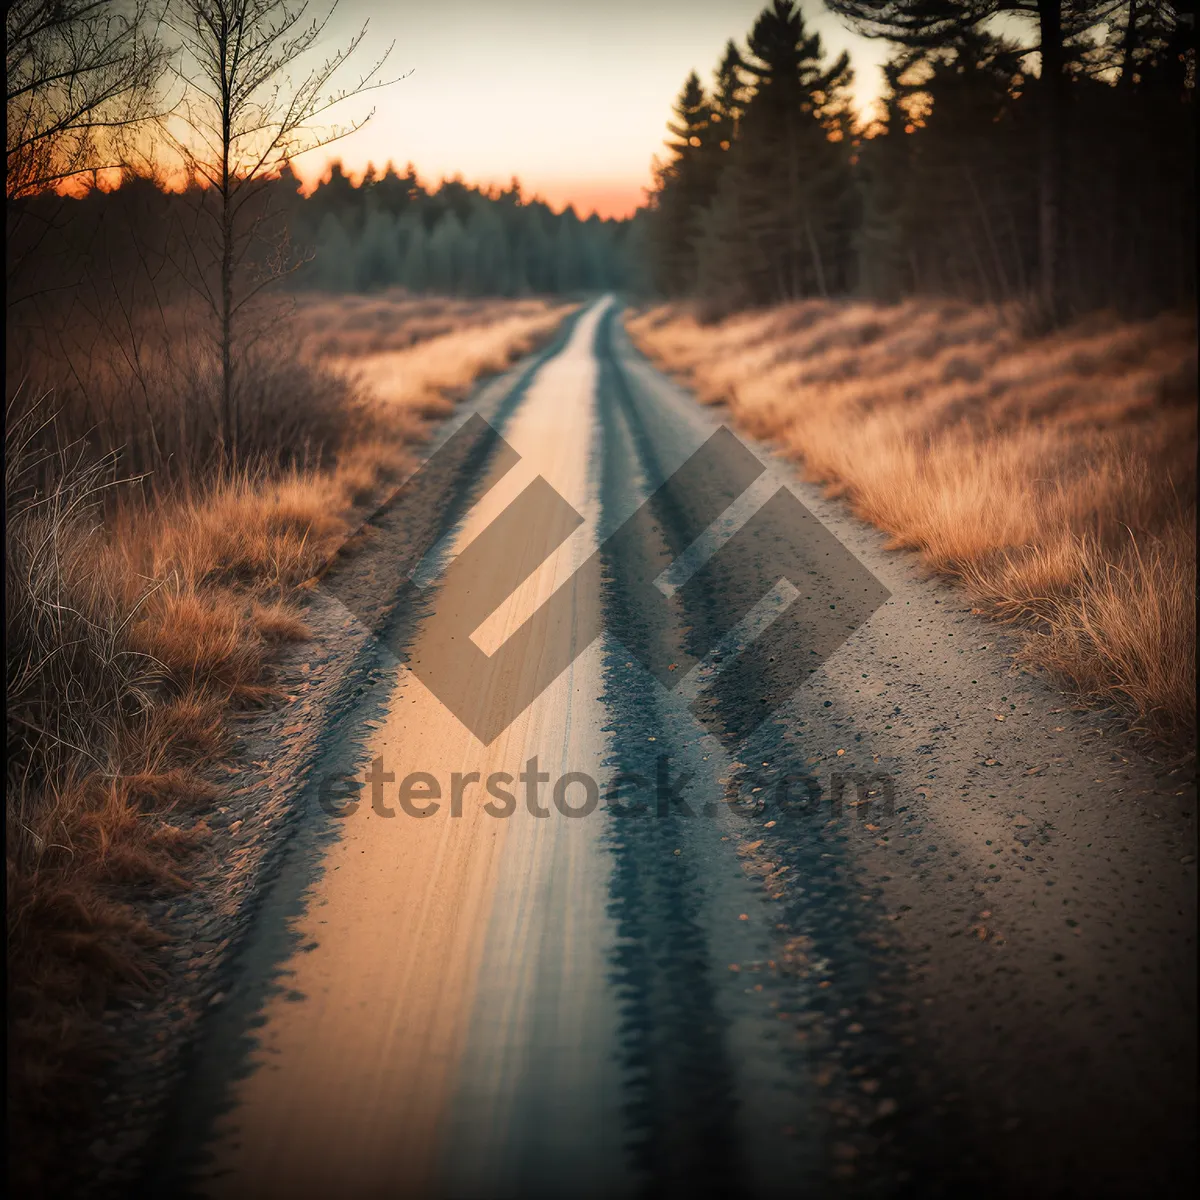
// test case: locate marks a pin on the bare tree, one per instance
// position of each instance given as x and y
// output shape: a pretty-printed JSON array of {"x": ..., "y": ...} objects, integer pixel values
[
  {"x": 79, "y": 73},
  {"x": 247, "y": 118}
]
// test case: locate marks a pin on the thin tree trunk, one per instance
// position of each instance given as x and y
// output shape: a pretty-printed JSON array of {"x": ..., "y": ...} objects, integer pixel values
[
  {"x": 1018, "y": 249},
  {"x": 985, "y": 285},
  {"x": 815, "y": 251},
  {"x": 985, "y": 219},
  {"x": 230, "y": 433},
  {"x": 776, "y": 268},
  {"x": 793, "y": 206},
  {"x": 227, "y": 326},
  {"x": 1123, "y": 214},
  {"x": 1052, "y": 147},
  {"x": 1129, "y": 46}
]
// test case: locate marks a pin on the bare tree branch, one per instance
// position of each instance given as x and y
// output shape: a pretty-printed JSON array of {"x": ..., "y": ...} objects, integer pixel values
[
  {"x": 79, "y": 73},
  {"x": 246, "y": 119}
]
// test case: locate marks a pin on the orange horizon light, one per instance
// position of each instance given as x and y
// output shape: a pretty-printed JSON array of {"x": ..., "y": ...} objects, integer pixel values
[{"x": 606, "y": 199}]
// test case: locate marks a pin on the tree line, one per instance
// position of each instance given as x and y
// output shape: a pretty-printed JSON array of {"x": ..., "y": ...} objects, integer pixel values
[
  {"x": 1032, "y": 149},
  {"x": 453, "y": 240},
  {"x": 387, "y": 230}
]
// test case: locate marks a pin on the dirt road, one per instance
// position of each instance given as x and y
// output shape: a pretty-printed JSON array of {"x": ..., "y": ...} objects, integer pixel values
[{"x": 989, "y": 984}]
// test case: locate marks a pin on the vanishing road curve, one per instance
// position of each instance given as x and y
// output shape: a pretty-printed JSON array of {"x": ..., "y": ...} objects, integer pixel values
[{"x": 978, "y": 977}]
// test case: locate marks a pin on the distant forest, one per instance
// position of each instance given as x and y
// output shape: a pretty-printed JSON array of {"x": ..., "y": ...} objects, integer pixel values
[
  {"x": 387, "y": 230},
  {"x": 1032, "y": 150},
  {"x": 1073, "y": 187},
  {"x": 455, "y": 240}
]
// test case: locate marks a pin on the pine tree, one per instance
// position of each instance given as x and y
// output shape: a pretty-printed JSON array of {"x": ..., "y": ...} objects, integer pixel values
[
  {"x": 683, "y": 186},
  {"x": 725, "y": 268},
  {"x": 414, "y": 262},
  {"x": 337, "y": 194},
  {"x": 785, "y": 211},
  {"x": 1061, "y": 31},
  {"x": 597, "y": 255},
  {"x": 534, "y": 252},
  {"x": 952, "y": 186},
  {"x": 631, "y": 241},
  {"x": 334, "y": 257},
  {"x": 445, "y": 255},
  {"x": 395, "y": 192},
  {"x": 566, "y": 252},
  {"x": 728, "y": 98},
  {"x": 492, "y": 268},
  {"x": 378, "y": 251}
]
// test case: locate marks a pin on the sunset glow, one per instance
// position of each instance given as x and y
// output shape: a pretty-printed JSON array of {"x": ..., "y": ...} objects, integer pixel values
[{"x": 571, "y": 98}]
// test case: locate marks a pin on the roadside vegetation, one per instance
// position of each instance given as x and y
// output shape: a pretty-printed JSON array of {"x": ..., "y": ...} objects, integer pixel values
[
  {"x": 415, "y": 352},
  {"x": 1044, "y": 158},
  {"x": 187, "y": 442},
  {"x": 143, "y": 608},
  {"x": 1053, "y": 476},
  {"x": 970, "y": 311}
]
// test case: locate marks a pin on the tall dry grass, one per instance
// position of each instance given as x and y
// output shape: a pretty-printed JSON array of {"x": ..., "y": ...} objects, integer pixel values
[
  {"x": 141, "y": 380},
  {"x": 147, "y": 588},
  {"x": 1053, "y": 476},
  {"x": 359, "y": 325}
]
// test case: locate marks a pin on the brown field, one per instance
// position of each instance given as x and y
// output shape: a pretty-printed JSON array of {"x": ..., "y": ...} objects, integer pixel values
[
  {"x": 355, "y": 325},
  {"x": 1054, "y": 477},
  {"x": 148, "y": 581}
]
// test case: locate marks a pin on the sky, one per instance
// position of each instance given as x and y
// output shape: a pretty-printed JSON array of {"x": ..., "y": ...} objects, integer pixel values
[{"x": 571, "y": 97}]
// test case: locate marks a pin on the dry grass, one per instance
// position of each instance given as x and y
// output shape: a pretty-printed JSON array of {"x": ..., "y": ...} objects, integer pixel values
[
  {"x": 138, "y": 619},
  {"x": 355, "y": 326},
  {"x": 1053, "y": 476},
  {"x": 426, "y": 378},
  {"x": 142, "y": 381}
]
